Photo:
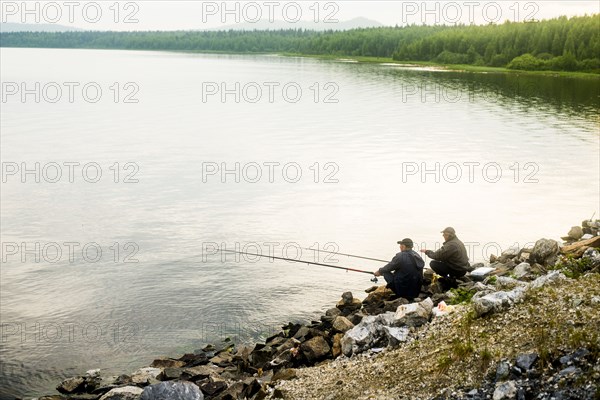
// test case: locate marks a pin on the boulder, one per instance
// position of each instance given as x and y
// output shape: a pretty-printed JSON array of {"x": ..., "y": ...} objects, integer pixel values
[
  {"x": 379, "y": 295},
  {"x": 526, "y": 361},
  {"x": 356, "y": 317},
  {"x": 522, "y": 269},
  {"x": 550, "y": 277},
  {"x": 315, "y": 348},
  {"x": 201, "y": 372},
  {"x": 396, "y": 335},
  {"x": 342, "y": 324},
  {"x": 169, "y": 374},
  {"x": 145, "y": 375},
  {"x": 172, "y": 391},
  {"x": 123, "y": 393},
  {"x": 233, "y": 392},
  {"x": 192, "y": 360},
  {"x": 593, "y": 255},
  {"x": 71, "y": 385},
  {"x": 503, "y": 370},
  {"x": 544, "y": 252},
  {"x": 481, "y": 273},
  {"x": 212, "y": 388},
  {"x": 333, "y": 312},
  {"x": 336, "y": 348},
  {"x": 167, "y": 363},
  {"x": 512, "y": 251},
  {"x": 347, "y": 297},
  {"x": 505, "y": 391},
  {"x": 497, "y": 301},
  {"x": 360, "y": 338},
  {"x": 261, "y": 355},
  {"x": 414, "y": 314},
  {"x": 575, "y": 233},
  {"x": 394, "y": 304},
  {"x": 224, "y": 358},
  {"x": 347, "y": 308}
]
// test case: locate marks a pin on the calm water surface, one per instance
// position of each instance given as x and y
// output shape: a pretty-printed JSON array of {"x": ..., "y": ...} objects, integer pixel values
[{"x": 368, "y": 130}]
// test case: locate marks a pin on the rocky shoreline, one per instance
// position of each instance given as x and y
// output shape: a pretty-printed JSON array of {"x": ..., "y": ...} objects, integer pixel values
[{"x": 374, "y": 348}]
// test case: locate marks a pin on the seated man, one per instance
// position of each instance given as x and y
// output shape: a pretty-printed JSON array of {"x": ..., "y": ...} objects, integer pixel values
[
  {"x": 404, "y": 274},
  {"x": 451, "y": 260}
]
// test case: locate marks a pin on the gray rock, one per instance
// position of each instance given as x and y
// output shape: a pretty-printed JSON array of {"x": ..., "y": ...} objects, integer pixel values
[
  {"x": 545, "y": 252},
  {"x": 502, "y": 371},
  {"x": 302, "y": 333},
  {"x": 522, "y": 269},
  {"x": 333, "y": 312},
  {"x": 172, "y": 391},
  {"x": 414, "y": 314},
  {"x": 93, "y": 373},
  {"x": 505, "y": 391},
  {"x": 395, "y": 335},
  {"x": 123, "y": 393},
  {"x": 386, "y": 319},
  {"x": 593, "y": 255},
  {"x": 526, "y": 361},
  {"x": 497, "y": 301},
  {"x": 512, "y": 251},
  {"x": 575, "y": 233},
  {"x": 569, "y": 371},
  {"x": 347, "y": 297},
  {"x": 481, "y": 273},
  {"x": 550, "y": 277},
  {"x": 359, "y": 338},
  {"x": 315, "y": 348}
]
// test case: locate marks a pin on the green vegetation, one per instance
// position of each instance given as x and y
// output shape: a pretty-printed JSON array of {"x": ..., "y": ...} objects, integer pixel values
[
  {"x": 461, "y": 296},
  {"x": 573, "y": 267},
  {"x": 560, "y": 44}
]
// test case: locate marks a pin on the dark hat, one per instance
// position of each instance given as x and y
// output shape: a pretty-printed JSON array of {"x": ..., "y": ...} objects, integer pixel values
[
  {"x": 406, "y": 241},
  {"x": 449, "y": 230}
]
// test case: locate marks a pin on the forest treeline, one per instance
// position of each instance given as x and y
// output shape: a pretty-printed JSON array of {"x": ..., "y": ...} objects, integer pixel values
[{"x": 563, "y": 44}]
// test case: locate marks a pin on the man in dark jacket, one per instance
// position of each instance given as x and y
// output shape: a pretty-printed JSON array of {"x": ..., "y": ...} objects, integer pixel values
[
  {"x": 451, "y": 260},
  {"x": 404, "y": 274}
]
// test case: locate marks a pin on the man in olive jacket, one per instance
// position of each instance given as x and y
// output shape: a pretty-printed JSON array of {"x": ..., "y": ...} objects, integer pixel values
[
  {"x": 404, "y": 274},
  {"x": 451, "y": 260}
]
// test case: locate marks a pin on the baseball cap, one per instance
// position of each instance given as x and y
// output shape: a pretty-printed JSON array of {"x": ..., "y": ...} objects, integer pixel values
[{"x": 406, "y": 241}]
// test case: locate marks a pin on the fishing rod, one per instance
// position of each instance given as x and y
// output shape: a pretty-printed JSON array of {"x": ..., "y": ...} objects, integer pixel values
[
  {"x": 344, "y": 254},
  {"x": 374, "y": 279}
]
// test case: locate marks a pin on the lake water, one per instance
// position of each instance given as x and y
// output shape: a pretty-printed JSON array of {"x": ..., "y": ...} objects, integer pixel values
[{"x": 329, "y": 154}]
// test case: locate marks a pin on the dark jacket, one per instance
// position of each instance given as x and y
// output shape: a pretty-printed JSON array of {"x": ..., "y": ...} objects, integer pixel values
[
  {"x": 452, "y": 252},
  {"x": 407, "y": 268}
]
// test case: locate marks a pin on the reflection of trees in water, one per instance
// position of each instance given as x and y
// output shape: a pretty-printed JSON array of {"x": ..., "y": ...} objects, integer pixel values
[{"x": 568, "y": 96}]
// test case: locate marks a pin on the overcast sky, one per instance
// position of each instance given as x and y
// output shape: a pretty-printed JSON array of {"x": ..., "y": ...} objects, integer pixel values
[{"x": 192, "y": 14}]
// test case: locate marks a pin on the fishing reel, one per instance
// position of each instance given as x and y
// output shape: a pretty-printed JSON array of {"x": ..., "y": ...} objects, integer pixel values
[{"x": 374, "y": 279}]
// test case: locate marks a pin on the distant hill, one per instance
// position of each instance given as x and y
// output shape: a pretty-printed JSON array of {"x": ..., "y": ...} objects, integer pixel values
[
  {"x": 263, "y": 25},
  {"x": 16, "y": 27}
]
